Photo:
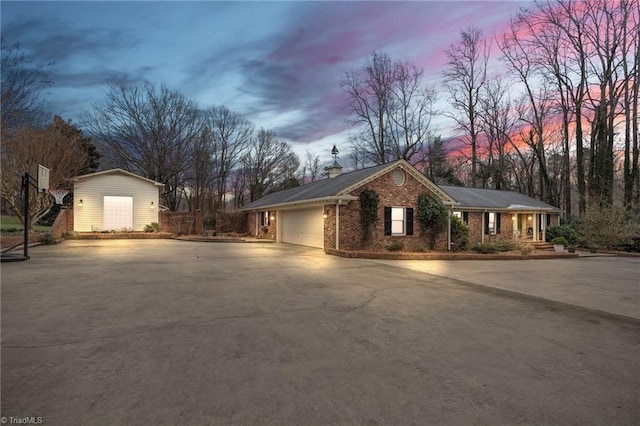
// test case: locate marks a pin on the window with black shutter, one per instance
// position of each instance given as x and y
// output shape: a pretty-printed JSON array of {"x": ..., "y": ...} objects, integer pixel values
[
  {"x": 387, "y": 221},
  {"x": 398, "y": 221}
]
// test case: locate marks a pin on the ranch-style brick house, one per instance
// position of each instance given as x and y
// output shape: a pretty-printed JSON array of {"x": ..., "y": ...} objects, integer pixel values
[{"x": 326, "y": 213}]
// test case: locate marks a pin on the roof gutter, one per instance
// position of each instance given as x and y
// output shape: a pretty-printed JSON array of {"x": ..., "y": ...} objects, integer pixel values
[{"x": 335, "y": 199}]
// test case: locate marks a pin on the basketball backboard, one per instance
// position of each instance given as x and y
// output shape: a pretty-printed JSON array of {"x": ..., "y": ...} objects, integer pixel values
[{"x": 43, "y": 178}]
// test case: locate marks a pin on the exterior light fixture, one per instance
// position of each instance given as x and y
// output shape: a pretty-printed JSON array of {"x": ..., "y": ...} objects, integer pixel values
[
  {"x": 324, "y": 216},
  {"x": 80, "y": 203},
  {"x": 151, "y": 206},
  {"x": 272, "y": 217}
]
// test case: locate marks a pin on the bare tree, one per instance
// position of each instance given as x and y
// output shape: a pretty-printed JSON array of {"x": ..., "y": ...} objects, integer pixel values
[
  {"x": 22, "y": 86},
  {"x": 410, "y": 111},
  {"x": 465, "y": 75},
  {"x": 391, "y": 107},
  {"x": 497, "y": 122},
  {"x": 150, "y": 131},
  {"x": 368, "y": 95},
  {"x": 311, "y": 170},
  {"x": 269, "y": 165},
  {"x": 631, "y": 68},
  {"x": 55, "y": 147},
  {"x": 534, "y": 108},
  {"x": 230, "y": 136}
]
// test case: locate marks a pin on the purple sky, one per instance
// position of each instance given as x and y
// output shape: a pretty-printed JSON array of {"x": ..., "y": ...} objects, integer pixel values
[{"x": 279, "y": 63}]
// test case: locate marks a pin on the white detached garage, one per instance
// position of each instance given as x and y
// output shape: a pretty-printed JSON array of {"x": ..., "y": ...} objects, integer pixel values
[{"x": 114, "y": 200}]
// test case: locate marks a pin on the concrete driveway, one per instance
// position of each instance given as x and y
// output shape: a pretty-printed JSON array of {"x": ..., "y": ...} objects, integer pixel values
[{"x": 172, "y": 332}]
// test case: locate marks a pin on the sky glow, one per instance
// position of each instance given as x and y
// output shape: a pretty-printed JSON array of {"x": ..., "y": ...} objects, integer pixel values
[{"x": 278, "y": 63}]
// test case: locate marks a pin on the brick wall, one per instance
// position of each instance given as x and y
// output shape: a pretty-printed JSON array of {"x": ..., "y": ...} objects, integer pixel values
[
  {"x": 63, "y": 223},
  {"x": 330, "y": 226},
  {"x": 266, "y": 232},
  {"x": 389, "y": 195}
]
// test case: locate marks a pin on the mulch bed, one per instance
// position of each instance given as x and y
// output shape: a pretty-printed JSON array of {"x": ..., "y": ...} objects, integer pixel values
[
  {"x": 449, "y": 255},
  {"x": 121, "y": 236}
]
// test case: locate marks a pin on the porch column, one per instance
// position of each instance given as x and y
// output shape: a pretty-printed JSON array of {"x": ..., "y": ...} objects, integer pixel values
[{"x": 535, "y": 226}]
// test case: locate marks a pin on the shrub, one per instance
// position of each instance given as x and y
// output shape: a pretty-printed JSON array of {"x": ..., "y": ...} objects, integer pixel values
[
  {"x": 567, "y": 230},
  {"x": 48, "y": 239},
  {"x": 505, "y": 245},
  {"x": 459, "y": 234},
  {"x": 560, "y": 241},
  {"x": 484, "y": 248},
  {"x": 494, "y": 247},
  {"x": 432, "y": 214},
  {"x": 152, "y": 227},
  {"x": 420, "y": 248},
  {"x": 368, "y": 212},
  {"x": 395, "y": 246},
  {"x": 608, "y": 226},
  {"x": 526, "y": 248}
]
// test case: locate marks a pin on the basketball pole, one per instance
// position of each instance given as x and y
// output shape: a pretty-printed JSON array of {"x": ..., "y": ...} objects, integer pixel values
[{"x": 27, "y": 180}]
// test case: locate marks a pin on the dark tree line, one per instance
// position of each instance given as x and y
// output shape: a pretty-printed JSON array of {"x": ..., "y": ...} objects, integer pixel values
[
  {"x": 205, "y": 158},
  {"x": 558, "y": 121}
]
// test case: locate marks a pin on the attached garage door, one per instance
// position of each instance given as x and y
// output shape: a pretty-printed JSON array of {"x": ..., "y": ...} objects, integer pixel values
[
  {"x": 304, "y": 227},
  {"x": 118, "y": 213}
]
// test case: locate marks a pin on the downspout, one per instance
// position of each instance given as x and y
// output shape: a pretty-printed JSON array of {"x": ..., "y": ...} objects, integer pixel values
[
  {"x": 449, "y": 230},
  {"x": 338, "y": 225}
]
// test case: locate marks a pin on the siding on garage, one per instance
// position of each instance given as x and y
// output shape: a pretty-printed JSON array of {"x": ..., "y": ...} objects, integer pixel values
[{"x": 92, "y": 190}]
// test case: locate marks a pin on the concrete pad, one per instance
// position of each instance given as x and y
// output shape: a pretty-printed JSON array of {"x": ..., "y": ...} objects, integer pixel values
[
  {"x": 174, "y": 332},
  {"x": 603, "y": 283}
]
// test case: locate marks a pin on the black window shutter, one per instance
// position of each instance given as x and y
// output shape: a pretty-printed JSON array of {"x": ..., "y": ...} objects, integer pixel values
[
  {"x": 486, "y": 223},
  {"x": 548, "y": 220},
  {"x": 387, "y": 221},
  {"x": 465, "y": 217},
  {"x": 498, "y": 222},
  {"x": 409, "y": 221}
]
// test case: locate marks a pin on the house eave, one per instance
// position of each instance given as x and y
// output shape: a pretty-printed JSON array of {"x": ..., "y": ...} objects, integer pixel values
[
  {"x": 519, "y": 209},
  {"x": 302, "y": 203}
]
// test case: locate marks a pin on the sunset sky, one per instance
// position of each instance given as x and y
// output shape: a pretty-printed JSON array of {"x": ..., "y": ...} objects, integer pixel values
[{"x": 278, "y": 63}]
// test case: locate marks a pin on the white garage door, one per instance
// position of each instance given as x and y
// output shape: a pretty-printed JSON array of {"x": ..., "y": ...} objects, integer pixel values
[
  {"x": 118, "y": 213},
  {"x": 304, "y": 227}
]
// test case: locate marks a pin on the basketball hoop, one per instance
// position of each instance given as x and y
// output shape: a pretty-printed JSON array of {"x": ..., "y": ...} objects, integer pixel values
[{"x": 58, "y": 194}]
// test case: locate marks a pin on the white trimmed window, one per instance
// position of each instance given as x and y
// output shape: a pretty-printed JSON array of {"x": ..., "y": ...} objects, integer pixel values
[
  {"x": 265, "y": 218},
  {"x": 491, "y": 223},
  {"x": 398, "y": 221}
]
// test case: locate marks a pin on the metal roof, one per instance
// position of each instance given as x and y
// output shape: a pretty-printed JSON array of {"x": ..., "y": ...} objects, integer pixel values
[
  {"x": 339, "y": 187},
  {"x": 495, "y": 199},
  {"x": 320, "y": 189}
]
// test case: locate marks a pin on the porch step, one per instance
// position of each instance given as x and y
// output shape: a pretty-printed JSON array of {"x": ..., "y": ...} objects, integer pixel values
[{"x": 542, "y": 246}]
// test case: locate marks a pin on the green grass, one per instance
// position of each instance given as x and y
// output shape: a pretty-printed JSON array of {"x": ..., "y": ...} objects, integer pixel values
[{"x": 11, "y": 224}]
